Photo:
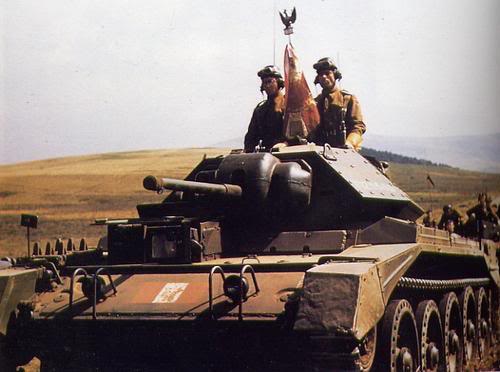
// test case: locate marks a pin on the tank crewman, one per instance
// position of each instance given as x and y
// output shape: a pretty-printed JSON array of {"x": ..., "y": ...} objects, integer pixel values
[
  {"x": 266, "y": 125},
  {"x": 449, "y": 214},
  {"x": 340, "y": 112}
]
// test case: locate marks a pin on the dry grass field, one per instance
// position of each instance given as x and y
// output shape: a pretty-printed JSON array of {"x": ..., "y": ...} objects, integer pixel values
[{"x": 69, "y": 193}]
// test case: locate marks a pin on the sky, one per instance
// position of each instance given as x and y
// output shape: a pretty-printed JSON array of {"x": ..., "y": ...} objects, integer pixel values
[{"x": 79, "y": 76}]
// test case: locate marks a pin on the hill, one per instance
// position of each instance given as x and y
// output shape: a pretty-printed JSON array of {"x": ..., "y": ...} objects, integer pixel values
[
  {"x": 69, "y": 193},
  {"x": 396, "y": 158},
  {"x": 476, "y": 152}
]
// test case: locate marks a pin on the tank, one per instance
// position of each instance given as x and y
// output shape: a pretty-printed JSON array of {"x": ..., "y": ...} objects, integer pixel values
[{"x": 304, "y": 258}]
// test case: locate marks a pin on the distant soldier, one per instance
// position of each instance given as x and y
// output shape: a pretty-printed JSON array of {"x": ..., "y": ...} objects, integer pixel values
[
  {"x": 483, "y": 220},
  {"x": 483, "y": 210},
  {"x": 428, "y": 220},
  {"x": 492, "y": 214},
  {"x": 449, "y": 214},
  {"x": 266, "y": 125},
  {"x": 340, "y": 113}
]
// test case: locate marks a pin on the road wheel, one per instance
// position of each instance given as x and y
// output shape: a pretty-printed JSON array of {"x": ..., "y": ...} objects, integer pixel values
[
  {"x": 469, "y": 323},
  {"x": 431, "y": 336},
  {"x": 484, "y": 329},
  {"x": 451, "y": 320},
  {"x": 398, "y": 347}
]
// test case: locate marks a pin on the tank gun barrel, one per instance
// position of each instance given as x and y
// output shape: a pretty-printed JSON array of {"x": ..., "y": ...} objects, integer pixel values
[{"x": 158, "y": 184}]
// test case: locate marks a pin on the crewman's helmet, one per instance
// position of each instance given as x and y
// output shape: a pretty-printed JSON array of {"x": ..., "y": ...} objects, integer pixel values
[
  {"x": 447, "y": 208},
  {"x": 327, "y": 64},
  {"x": 272, "y": 71}
]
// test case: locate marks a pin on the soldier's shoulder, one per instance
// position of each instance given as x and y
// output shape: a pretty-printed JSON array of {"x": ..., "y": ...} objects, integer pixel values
[
  {"x": 261, "y": 103},
  {"x": 345, "y": 92},
  {"x": 260, "y": 106}
]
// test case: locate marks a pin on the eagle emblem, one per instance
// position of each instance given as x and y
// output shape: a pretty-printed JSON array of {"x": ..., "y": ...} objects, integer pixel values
[{"x": 288, "y": 20}]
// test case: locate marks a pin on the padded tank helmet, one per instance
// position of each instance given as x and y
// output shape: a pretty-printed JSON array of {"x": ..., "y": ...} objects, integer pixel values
[
  {"x": 272, "y": 71},
  {"x": 327, "y": 64},
  {"x": 447, "y": 208}
]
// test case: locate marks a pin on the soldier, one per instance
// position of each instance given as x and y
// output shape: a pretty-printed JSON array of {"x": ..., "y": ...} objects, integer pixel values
[
  {"x": 266, "y": 125},
  {"x": 449, "y": 214},
  {"x": 483, "y": 210},
  {"x": 428, "y": 220},
  {"x": 340, "y": 113}
]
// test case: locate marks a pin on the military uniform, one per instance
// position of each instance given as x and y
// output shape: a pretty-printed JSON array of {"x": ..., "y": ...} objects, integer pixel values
[
  {"x": 330, "y": 106},
  {"x": 451, "y": 215},
  {"x": 428, "y": 221},
  {"x": 266, "y": 124},
  {"x": 483, "y": 213}
]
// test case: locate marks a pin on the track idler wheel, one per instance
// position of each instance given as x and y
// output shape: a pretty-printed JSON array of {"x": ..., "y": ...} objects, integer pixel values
[
  {"x": 451, "y": 320},
  {"x": 398, "y": 347},
  {"x": 430, "y": 335}
]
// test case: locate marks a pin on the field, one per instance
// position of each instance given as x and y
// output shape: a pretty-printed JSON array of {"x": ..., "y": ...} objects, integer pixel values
[{"x": 69, "y": 193}]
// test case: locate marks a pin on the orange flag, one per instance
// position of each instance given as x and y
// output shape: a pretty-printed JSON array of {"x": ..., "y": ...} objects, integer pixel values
[{"x": 301, "y": 114}]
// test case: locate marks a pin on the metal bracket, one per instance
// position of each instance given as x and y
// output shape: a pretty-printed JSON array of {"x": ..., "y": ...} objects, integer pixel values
[
  {"x": 257, "y": 290},
  {"x": 71, "y": 289},
  {"x": 214, "y": 270},
  {"x": 328, "y": 152},
  {"x": 94, "y": 300},
  {"x": 95, "y": 276},
  {"x": 53, "y": 267},
  {"x": 250, "y": 257}
]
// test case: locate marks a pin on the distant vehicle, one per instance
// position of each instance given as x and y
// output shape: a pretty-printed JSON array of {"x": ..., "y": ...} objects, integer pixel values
[{"x": 305, "y": 258}]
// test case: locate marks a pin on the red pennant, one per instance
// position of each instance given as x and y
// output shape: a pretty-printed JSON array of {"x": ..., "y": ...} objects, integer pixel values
[{"x": 301, "y": 113}]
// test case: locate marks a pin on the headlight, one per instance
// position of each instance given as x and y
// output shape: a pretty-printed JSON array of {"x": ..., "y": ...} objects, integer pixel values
[{"x": 236, "y": 288}]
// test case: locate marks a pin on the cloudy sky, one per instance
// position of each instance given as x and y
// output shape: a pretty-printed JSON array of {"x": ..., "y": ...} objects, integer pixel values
[{"x": 82, "y": 76}]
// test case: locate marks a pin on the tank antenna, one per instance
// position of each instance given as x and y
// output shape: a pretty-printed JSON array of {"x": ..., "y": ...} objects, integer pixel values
[
  {"x": 338, "y": 65},
  {"x": 274, "y": 33}
]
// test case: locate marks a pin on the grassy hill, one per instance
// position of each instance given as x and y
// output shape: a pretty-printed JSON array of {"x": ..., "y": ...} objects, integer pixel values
[{"x": 69, "y": 193}]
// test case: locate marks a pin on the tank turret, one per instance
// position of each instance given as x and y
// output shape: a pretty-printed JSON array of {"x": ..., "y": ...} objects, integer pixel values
[{"x": 256, "y": 197}]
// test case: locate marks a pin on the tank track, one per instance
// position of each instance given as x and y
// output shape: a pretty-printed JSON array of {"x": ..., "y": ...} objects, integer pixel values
[{"x": 440, "y": 285}]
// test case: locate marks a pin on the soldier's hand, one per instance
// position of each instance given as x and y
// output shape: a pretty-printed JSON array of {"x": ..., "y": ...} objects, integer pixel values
[
  {"x": 279, "y": 145},
  {"x": 354, "y": 140},
  {"x": 348, "y": 145}
]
